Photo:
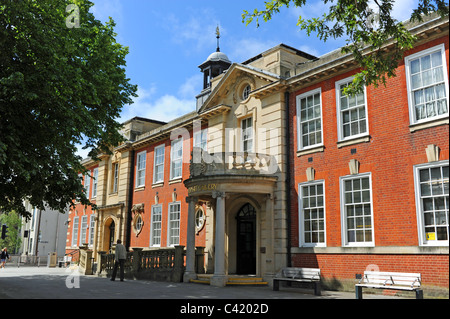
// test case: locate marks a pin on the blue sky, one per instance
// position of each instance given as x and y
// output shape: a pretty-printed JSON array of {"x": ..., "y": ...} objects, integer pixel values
[{"x": 169, "y": 39}]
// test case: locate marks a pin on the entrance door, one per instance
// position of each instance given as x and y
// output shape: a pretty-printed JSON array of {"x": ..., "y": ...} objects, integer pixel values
[
  {"x": 112, "y": 229},
  {"x": 246, "y": 240}
]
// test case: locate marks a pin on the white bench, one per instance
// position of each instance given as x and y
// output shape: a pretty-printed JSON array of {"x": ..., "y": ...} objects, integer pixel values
[
  {"x": 390, "y": 280},
  {"x": 294, "y": 274}
]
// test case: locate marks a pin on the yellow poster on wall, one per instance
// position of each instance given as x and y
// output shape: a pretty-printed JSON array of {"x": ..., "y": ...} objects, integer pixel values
[{"x": 431, "y": 236}]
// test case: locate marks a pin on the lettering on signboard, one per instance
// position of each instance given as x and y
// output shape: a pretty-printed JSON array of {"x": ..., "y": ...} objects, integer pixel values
[{"x": 200, "y": 188}]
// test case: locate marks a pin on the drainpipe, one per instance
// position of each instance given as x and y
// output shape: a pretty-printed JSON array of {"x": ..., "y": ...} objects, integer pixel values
[
  {"x": 36, "y": 251},
  {"x": 288, "y": 178},
  {"x": 130, "y": 201}
]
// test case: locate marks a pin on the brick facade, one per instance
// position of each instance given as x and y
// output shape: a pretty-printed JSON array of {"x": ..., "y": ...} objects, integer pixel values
[
  {"x": 389, "y": 154},
  {"x": 380, "y": 164},
  {"x": 434, "y": 269},
  {"x": 165, "y": 191},
  {"x": 76, "y": 216}
]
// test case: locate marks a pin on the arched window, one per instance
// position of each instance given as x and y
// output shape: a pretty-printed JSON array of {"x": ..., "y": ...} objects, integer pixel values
[
  {"x": 199, "y": 219},
  {"x": 246, "y": 92}
]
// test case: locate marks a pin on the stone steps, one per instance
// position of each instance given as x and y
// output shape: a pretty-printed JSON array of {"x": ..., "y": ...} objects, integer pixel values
[{"x": 233, "y": 280}]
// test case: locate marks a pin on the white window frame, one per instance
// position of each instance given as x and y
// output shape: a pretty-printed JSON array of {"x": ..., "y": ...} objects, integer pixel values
[
  {"x": 201, "y": 139},
  {"x": 200, "y": 219},
  {"x": 140, "y": 168},
  {"x": 244, "y": 122},
  {"x": 87, "y": 184},
  {"x": 246, "y": 92},
  {"x": 91, "y": 229},
  {"x": 138, "y": 223},
  {"x": 170, "y": 227},
  {"x": 175, "y": 160},
  {"x": 419, "y": 204},
  {"x": 84, "y": 227},
  {"x": 33, "y": 218},
  {"x": 94, "y": 182},
  {"x": 301, "y": 219},
  {"x": 75, "y": 231},
  {"x": 115, "y": 177},
  {"x": 157, "y": 166},
  {"x": 153, "y": 222},
  {"x": 340, "y": 121},
  {"x": 300, "y": 145},
  {"x": 344, "y": 235},
  {"x": 411, "y": 106}
]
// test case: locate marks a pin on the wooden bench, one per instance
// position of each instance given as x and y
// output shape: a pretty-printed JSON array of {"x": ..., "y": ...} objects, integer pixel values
[
  {"x": 390, "y": 280},
  {"x": 293, "y": 274}
]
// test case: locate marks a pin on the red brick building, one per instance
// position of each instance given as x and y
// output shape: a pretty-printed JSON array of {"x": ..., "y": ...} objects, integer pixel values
[
  {"x": 343, "y": 184},
  {"x": 159, "y": 207},
  {"x": 82, "y": 218},
  {"x": 369, "y": 185}
]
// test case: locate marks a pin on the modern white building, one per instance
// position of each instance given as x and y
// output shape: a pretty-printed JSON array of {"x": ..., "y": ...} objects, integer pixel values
[{"x": 44, "y": 233}]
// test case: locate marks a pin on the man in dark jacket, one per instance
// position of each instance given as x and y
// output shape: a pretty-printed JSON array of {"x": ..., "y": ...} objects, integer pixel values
[{"x": 120, "y": 257}]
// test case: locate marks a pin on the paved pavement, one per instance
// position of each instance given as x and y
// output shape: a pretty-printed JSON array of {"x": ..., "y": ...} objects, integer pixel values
[
  {"x": 177, "y": 299},
  {"x": 66, "y": 283}
]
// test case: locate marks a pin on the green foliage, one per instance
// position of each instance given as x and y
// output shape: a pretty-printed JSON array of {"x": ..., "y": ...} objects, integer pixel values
[
  {"x": 14, "y": 223},
  {"x": 365, "y": 32},
  {"x": 58, "y": 87}
]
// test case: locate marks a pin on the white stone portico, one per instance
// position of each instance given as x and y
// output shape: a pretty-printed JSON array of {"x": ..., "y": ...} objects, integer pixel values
[
  {"x": 228, "y": 194},
  {"x": 239, "y": 171}
]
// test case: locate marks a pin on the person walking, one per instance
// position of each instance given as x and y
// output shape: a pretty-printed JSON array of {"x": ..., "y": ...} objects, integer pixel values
[
  {"x": 120, "y": 257},
  {"x": 3, "y": 257}
]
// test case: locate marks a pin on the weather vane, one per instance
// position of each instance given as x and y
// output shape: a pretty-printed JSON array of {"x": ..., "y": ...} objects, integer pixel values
[{"x": 218, "y": 37}]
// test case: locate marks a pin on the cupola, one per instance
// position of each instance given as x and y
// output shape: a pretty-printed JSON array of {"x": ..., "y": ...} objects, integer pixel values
[{"x": 216, "y": 63}]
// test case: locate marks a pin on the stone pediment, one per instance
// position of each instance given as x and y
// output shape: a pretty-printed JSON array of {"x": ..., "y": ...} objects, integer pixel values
[{"x": 226, "y": 91}]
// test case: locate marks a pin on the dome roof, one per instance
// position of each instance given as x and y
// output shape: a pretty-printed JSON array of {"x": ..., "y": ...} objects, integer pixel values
[{"x": 218, "y": 56}]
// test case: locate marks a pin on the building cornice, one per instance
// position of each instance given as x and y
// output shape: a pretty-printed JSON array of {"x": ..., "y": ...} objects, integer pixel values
[
  {"x": 164, "y": 131},
  {"x": 335, "y": 63}
]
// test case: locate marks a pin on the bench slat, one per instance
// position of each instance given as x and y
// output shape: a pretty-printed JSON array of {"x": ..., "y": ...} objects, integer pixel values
[
  {"x": 290, "y": 279},
  {"x": 293, "y": 272},
  {"x": 386, "y": 287},
  {"x": 391, "y": 278},
  {"x": 383, "y": 273}
]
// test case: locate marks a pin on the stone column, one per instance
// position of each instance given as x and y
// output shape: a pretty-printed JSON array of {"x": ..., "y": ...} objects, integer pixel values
[
  {"x": 270, "y": 241},
  {"x": 177, "y": 274},
  {"x": 190, "y": 240},
  {"x": 101, "y": 263},
  {"x": 219, "y": 278}
]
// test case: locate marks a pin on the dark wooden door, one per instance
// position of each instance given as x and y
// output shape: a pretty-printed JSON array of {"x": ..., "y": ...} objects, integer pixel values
[{"x": 246, "y": 240}]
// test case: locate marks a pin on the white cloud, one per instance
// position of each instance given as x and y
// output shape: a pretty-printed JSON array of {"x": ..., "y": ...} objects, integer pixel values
[
  {"x": 310, "y": 10},
  {"x": 310, "y": 50},
  {"x": 81, "y": 152},
  {"x": 191, "y": 87},
  {"x": 165, "y": 107},
  {"x": 244, "y": 49},
  {"x": 103, "y": 9},
  {"x": 193, "y": 30},
  {"x": 402, "y": 9}
]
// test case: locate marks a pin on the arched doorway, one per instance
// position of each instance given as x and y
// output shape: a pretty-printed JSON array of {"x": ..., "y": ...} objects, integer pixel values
[
  {"x": 109, "y": 234},
  {"x": 246, "y": 240}
]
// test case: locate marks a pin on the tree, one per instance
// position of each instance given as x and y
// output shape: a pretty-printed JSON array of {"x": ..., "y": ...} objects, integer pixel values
[
  {"x": 62, "y": 82},
  {"x": 366, "y": 31},
  {"x": 13, "y": 221}
]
